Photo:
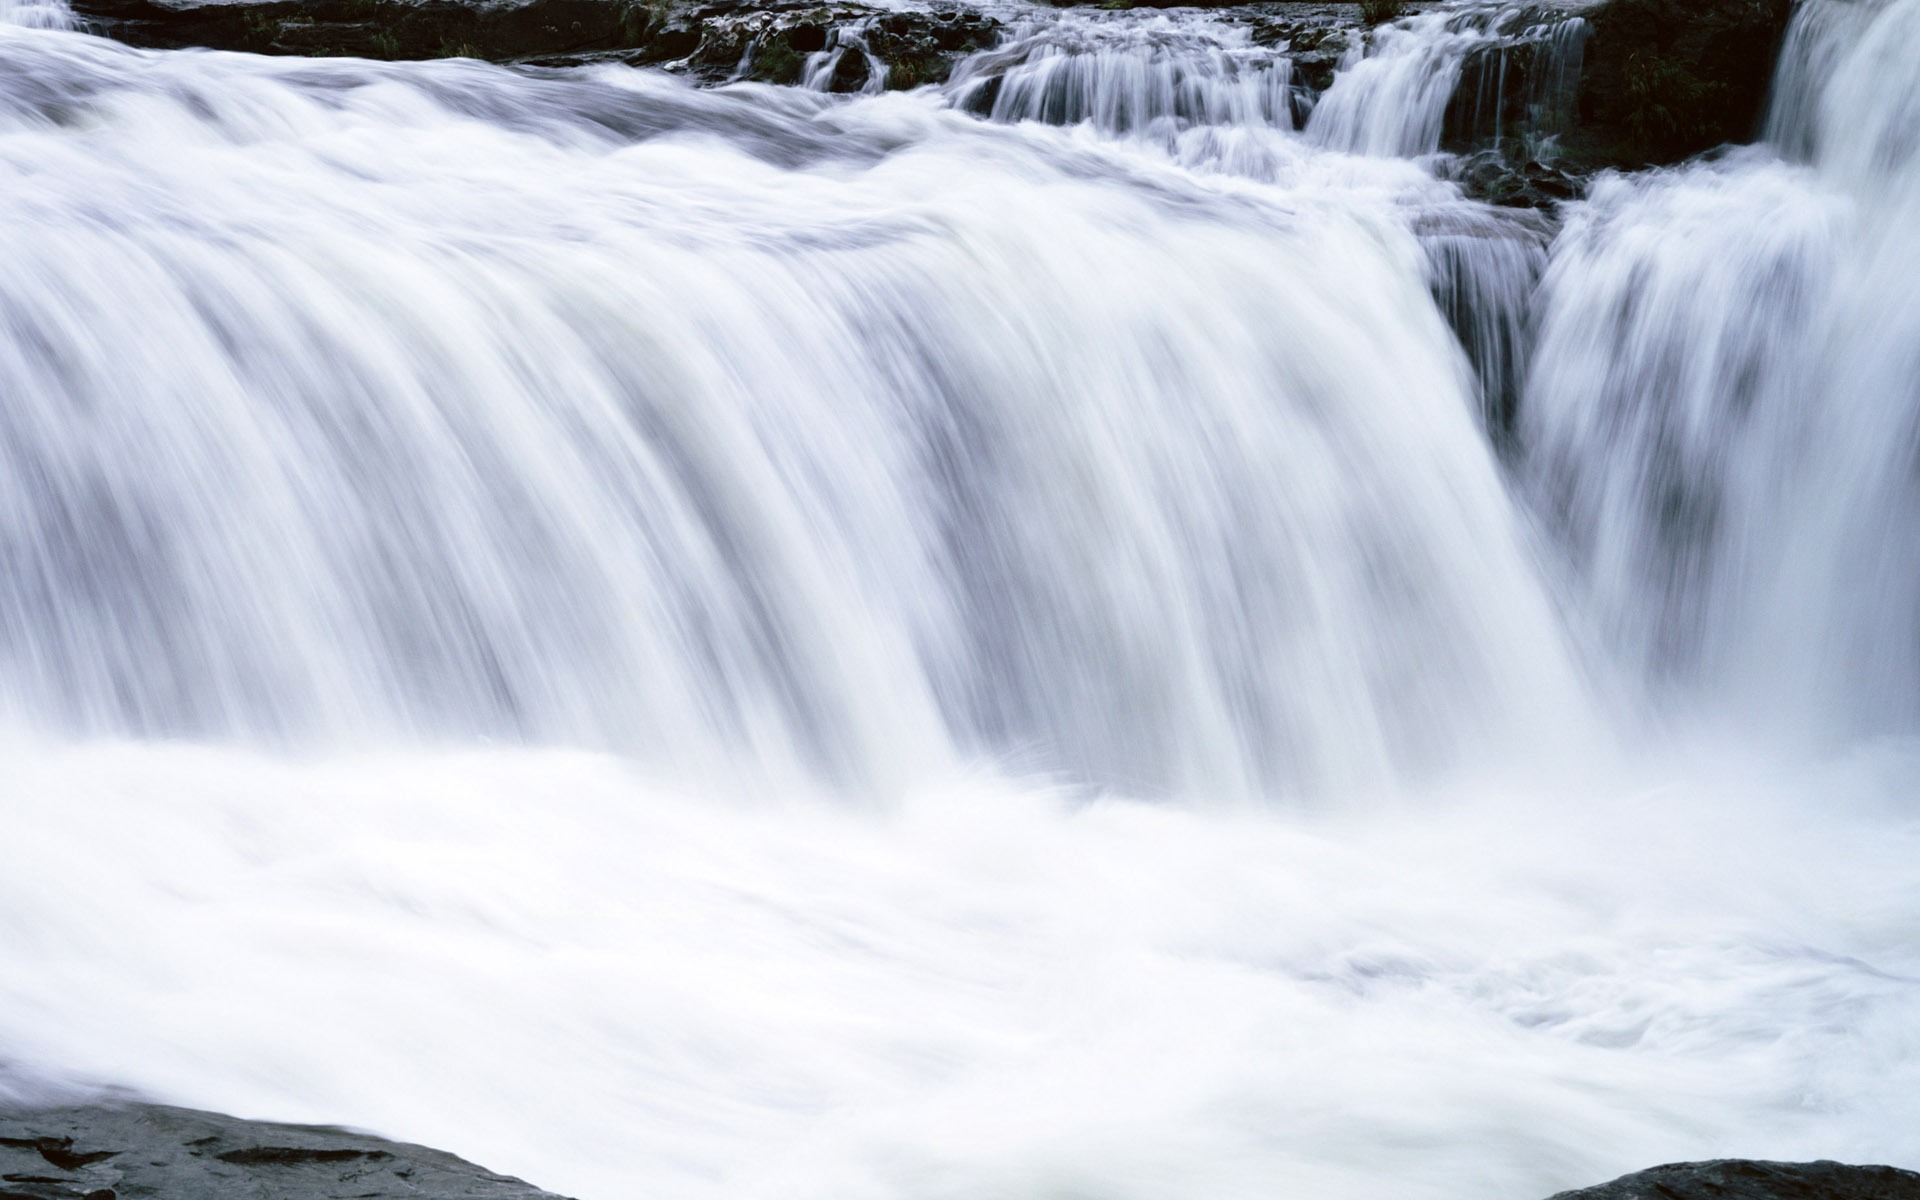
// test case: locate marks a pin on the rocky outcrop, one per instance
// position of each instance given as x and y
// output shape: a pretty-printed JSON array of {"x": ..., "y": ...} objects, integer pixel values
[
  {"x": 390, "y": 29},
  {"x": 1315, "y": 40},
  {"x": 125, "y": 1151},
  {"x": 1666, "y": 79},
  {"x": 864, "y": 48},
  {"x": 1744, "y": 1179},
  {"x": 768, "y": 42},
  {"x": 1618, "y": 84}
]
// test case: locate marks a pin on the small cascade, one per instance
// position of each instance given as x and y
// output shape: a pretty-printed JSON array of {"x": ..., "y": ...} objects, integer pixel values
[
  {"x": 36, "y": 14},
  {"x": 1409, "y": 84},
  {"x": 1472, "y": 76},
  {"x": 1520, "y": 88},
  {"x": 1156, "y": 75},
  {"x": 1483, "y": 270},
  {"x": 846, "y": 64},
  {"x": 1208, "y": 94}
]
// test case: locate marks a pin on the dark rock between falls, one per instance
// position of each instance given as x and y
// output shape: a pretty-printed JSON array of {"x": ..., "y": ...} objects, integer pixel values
[
  {"x": 1666, "y": 79},
  {"x": 125, "y": 1151}
]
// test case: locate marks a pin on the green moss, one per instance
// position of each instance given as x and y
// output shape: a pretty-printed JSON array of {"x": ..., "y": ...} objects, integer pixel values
[
  {"x": 636, "y": 21},
  {"x": 775, "y": 62},
  {"x": 260, "y": 28}
]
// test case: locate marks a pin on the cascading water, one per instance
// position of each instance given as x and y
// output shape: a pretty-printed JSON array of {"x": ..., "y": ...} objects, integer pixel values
[
  {"x": 636, "y": 536},
  {"x": 1721, "y": 406},
  {"x": 753, "y": 642},
  {"x": 1147, "y": 75},
  {"x": 1395, "y": 95},
  {"x": 845, "y": 64}
]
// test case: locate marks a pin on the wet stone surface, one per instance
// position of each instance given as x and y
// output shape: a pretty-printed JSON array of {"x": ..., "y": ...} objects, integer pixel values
[
  {"x": 1743, "y": 1179},
  {"x": 713, "y": 43},
  {"x": 152, "y": 1152}
]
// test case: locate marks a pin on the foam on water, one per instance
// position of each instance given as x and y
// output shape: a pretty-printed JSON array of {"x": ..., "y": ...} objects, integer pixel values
[{"x": 541, "y": 961}]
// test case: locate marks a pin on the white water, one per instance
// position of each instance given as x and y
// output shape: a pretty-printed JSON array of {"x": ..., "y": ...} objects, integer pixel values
[
  {"x": 1722, "y": 403},
  {"x": 747, "y": 643},
  {"x": 1391, "y": 98}
]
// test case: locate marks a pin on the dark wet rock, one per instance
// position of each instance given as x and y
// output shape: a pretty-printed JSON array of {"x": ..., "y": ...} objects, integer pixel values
[
  {"x": 390, "y": 29},
  {"x": 1743, "y": 1179},
  {"x": 850, "y": 71},
  {"x": 922, "y": 47},
  {"x": 1317, "y": 58},
  {"x": 714, "y": 42},
  {"x": 772, "y": 43},
  {"x": 1514, "y": 182},
  {"x": 123, "y": 1151},
  {"x": 1522, "y": 86},
  {"x": 1315, "y": 42},
  {"x": 1666, "y": 79}
]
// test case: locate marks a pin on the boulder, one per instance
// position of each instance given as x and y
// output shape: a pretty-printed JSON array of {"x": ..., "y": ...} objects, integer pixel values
[
  {"x": 124, "y": 1150},
  {"x": 1745, "y": 1179}
]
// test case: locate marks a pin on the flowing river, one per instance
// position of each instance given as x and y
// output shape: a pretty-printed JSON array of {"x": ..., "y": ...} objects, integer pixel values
[{"x": 1084, "y": 632}]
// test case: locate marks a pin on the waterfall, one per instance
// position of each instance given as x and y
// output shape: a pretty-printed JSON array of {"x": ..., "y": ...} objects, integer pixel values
[
  {"x": 797, "y": 478},
  {"x": 845, "y": 65},
  {"x": 1096, "y": 629},
  {"x": 1718, "y": 411}
]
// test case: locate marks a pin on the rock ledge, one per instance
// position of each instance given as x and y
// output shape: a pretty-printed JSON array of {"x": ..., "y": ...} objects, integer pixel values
[
  {"x": 126, "y": 1151},
  {"x": 1746, "y": 1179}
]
